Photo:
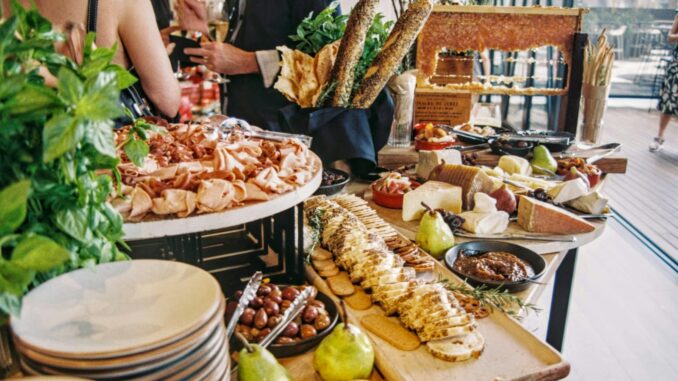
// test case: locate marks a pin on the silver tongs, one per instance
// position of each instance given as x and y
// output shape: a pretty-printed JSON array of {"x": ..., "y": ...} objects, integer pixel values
[
  {"x": 248, "y": 294},
  {"x": 223, "y": 126},
  {"x": 295, "y": 308}
]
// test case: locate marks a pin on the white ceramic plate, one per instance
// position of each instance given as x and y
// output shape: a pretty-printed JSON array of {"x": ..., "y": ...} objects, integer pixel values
[{"x": 116, "y": 309}]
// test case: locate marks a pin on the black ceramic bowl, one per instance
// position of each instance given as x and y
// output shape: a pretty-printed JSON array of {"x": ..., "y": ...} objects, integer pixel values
[
  {"x": 479, "y": 247},
  {"x": 293, "y": 349},
  {"x": 502, "y": 149},
  {"x": 335, "y": 188}
]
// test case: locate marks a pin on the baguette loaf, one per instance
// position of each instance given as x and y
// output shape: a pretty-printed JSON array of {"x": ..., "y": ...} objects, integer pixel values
[
  {"x": 395, "y": 48},
  {"x": 350, "y": 50}
]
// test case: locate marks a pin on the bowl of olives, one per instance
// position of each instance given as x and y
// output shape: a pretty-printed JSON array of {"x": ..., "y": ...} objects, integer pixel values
[
  {"x": 265, "y": 311},
  {"x": 501, "y": 146}
]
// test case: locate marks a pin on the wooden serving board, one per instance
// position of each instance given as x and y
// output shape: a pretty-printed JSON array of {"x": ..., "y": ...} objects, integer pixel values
[
  {"x": 511, "y": 352},
  {"x": 392, "y": 157},
  {"x": 409, "y": 229}
]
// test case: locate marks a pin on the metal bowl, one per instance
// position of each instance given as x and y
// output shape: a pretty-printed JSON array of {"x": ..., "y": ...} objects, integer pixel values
[
  {"x": 535, "y": 260},
  {"x": 513, "y": 150}
]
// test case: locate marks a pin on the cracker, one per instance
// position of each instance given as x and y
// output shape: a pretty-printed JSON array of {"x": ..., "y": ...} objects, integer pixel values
[
  {"x": 329, "y": 273},
  {"x": 323, "y": 265},
  {"x": 321, "y": 254},
  {"x": 391, "y": 331},
  {"x": 340, "y": 284},
  {"x": 359, "y": 300}
]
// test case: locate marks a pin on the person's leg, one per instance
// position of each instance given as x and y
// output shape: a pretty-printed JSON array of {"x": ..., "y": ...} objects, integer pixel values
[
  {"x": 664, "y": 119},
  {"x": 658, "y": 142}
]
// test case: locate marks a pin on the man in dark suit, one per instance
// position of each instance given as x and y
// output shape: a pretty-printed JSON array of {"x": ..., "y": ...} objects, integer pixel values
[{"x": 248, "y": 56}]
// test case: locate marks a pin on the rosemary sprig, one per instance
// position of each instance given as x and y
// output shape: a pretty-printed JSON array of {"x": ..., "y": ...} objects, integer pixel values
[
  {"x": 314, "y": 219},
  {"x": 492, "y": 298}
]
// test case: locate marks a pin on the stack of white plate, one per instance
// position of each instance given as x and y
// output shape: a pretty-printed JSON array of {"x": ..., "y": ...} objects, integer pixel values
[{"x": 143, "y": 320}]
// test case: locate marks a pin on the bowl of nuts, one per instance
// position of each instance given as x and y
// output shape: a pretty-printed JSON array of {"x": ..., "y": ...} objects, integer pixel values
[{"x": 265, "y": 311}]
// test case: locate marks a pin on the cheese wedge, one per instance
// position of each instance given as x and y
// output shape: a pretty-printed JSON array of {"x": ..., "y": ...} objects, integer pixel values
[
  {"x": 471, "y": 179},
  {"x": 568, "y": 191},
  {"x": 514, "y": 164},
  {"x": 540, "y": 217},
  {"x": 485, "y": 218},
  {"x": 593, "y": 203},
  {"x": 436, "y": 195},
  {"x": 431, "y": 159}
]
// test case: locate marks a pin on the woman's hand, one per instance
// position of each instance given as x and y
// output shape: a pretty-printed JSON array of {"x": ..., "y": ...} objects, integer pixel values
[
  {"x": 192, "y": 15},
  {"x": 224, "y": 58}
]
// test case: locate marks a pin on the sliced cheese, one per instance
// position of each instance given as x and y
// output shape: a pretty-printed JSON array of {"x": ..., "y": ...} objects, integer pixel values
[
  {"x": 593, "y": 203},
  {"x": 540, "y": 217},
  {"x": 471, "y": 179},
  {"x": 436, "y": 194},
  {"x": 485, "y": 219},
  {"x": 431, "y": 159},
  {"x": 515, "y": 164},
  {"x": 485, "y": 223},
  {"x": 568, "y": 191}
]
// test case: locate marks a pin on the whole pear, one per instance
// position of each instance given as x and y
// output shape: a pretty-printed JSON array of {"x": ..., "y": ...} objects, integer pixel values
[
  {"x": 260, "y": 365},
  {"x": 345, "y": 354},
  {"x": 541, "y": 156},
  {"x": 434, "y": 234}
]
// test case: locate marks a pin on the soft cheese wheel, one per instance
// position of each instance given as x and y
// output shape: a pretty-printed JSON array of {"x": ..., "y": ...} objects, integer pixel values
[{"x": 436, "y": 194}]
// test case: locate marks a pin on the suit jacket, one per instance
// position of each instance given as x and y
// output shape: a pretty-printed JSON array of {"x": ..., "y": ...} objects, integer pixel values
[{"x": 266, "y": 24}]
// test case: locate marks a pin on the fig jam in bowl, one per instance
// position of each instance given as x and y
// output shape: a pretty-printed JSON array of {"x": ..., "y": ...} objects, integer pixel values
[{"x": 495, "y": 264}]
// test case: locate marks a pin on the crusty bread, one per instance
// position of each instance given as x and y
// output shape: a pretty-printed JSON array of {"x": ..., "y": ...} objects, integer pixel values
[
  {"x": 541, "y": 217},
  {"x": 459, "y": 348}
]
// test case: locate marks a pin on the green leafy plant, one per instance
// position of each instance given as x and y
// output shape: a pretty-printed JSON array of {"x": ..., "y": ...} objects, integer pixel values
[
  {"x": 57, "y": 152},
  {"x": 315, "y": 32},
  {"x": 135, "y": 146}
]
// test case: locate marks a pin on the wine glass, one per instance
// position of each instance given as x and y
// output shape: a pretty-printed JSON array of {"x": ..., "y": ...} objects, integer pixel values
[{"x": 217, "y": 20}]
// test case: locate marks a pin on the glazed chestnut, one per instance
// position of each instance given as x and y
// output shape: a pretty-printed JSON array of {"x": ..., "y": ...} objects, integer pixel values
[
  {"x": 321, "y": 322},
  {"x": 290, "y": 293},
  {"x": 309, "y": 314},
  {"x": 263, "y": 290},
  {"x": 256, "y": 302},
  {"x": 273, "y": 321},
  {"x": 230, "y": 308},
  {"x": 275, "y": 298},
  {"x": 317, "y": 304},
  {"x": 285, "y": 304},
  {"x": 307, "y": 331},
  {"x": 245, "y": 331},
  {"x": 284, "y": 340},
  {"x": 274, "y": 287},
  {"x": 254, "y": 332},
  {"x": 260, "y": 319},
  {"x": 271, "y": 308},
  {"x": 237, "y": 295},
  {"x": 291, "y": 330},
  {"x": 247, "y": 316},
  {"x": 262, "y": 334}
]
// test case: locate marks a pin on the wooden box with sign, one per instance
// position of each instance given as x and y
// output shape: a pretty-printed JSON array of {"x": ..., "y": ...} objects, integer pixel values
[{"x": 433, "y": 106}]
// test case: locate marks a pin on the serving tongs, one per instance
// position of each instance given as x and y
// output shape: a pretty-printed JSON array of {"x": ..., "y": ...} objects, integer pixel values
[
  {"x": 610, "y": 148},
  {"x": 223, "y": 126},
  {"x": 295, "y": 308},
  {"x": 248, "y": 294}
]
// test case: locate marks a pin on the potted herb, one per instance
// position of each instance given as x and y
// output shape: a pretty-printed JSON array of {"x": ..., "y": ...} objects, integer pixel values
[{"x": 57, "y": 152}]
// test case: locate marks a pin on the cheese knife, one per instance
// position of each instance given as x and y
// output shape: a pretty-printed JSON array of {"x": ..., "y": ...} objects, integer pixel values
[{"x": 517, "y": 236}]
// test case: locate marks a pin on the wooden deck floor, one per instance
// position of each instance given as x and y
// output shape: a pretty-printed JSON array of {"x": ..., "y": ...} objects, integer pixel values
[{"x": 648, "y": 194}]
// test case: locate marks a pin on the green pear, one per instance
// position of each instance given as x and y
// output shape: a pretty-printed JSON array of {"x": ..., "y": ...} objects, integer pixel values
[
  {"x": 345, "y": 354},
  {"x": 542, "y": 158},
  {"x": 434, "y": 234},
  {"x": 260, "y": 365}
]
